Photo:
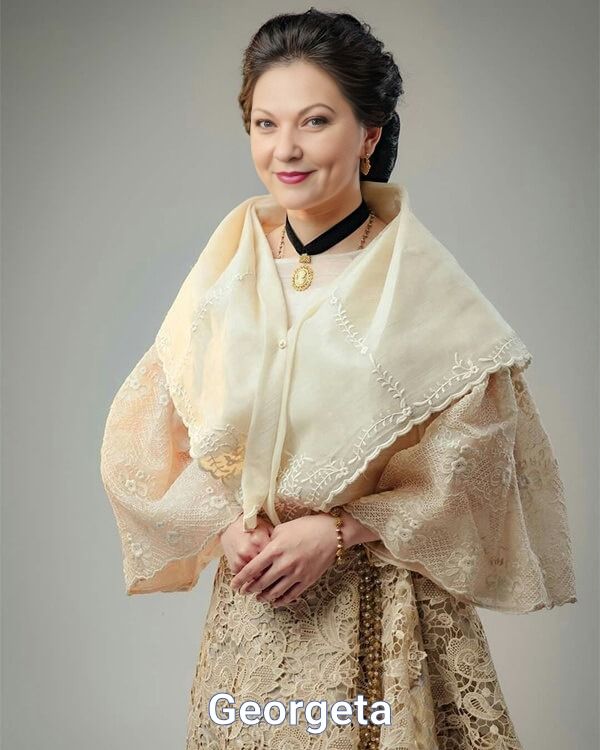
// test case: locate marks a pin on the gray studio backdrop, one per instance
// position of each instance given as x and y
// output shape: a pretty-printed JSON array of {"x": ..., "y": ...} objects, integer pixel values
[{"x": 122, "y": 149}]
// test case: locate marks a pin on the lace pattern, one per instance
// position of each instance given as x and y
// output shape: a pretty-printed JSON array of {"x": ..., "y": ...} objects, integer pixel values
[
  {"x": 305, "y": 650},
  {"x": 470, "y": 511},
  {"x": 470, "y": 710},
  {"x": 438, "y": 674},
  {"x": 169, "y": 511},
  {"x": 318, "y": 480},
  {"x": 478, "y": 504}
]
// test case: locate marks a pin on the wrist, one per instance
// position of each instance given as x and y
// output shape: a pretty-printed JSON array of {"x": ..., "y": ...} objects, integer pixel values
[
  {"x": 230, "y": 524},
  {"x": 354, "y": 532}
]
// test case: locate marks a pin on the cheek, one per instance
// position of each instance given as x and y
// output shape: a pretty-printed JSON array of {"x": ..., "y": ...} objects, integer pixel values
[
  {"x": 259, "y": 152},
  {"x": 337, "y": 149}
]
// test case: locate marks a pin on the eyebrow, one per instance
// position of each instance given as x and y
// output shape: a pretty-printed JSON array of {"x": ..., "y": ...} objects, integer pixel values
[{"x": 302, "y": 111}]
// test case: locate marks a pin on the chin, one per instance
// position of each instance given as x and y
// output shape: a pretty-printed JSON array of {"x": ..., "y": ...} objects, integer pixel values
[
  {"x": 296, "y": 197},
  {"x": 289, "y": 200}
]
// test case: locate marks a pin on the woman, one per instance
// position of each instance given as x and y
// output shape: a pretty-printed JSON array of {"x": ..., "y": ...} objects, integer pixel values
[{"x": 333, "y": 409}]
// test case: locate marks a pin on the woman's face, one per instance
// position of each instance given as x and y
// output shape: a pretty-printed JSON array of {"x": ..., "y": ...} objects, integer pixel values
[{"x": 301, "y": 122}]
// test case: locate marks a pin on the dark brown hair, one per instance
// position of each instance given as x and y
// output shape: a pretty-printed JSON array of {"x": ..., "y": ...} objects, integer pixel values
[{"x": 345, "y": 48}]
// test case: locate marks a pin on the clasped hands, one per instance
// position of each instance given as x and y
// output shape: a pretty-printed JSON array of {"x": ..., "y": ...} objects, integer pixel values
[{"x": 278, "y": 563}]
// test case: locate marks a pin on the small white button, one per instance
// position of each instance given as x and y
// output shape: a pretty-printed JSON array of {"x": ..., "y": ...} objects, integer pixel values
[{"x": 282, "y": 343}]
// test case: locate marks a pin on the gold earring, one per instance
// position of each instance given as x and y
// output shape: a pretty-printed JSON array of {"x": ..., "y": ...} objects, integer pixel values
[{"x": 365, "y": 164}]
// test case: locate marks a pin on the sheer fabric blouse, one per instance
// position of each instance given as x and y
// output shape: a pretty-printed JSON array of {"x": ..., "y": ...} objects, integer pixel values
[{"x": 326, "y": 266}]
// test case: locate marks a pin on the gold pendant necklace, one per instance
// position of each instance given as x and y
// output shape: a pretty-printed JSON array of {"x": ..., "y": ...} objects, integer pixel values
[{"x": 303, "y": 273}]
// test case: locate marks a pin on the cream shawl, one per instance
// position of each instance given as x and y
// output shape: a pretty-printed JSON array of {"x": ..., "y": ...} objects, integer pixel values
[{"x": 402, "y": 333}]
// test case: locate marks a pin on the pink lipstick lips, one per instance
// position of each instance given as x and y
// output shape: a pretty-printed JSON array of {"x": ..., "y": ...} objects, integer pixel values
[{"x": 290, "y": 178}]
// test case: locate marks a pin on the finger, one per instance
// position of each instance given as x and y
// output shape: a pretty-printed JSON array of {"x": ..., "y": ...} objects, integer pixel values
[
  {"x": 278, "y": 589},
  {"x": 253, "y": 569},
  {"x": 237, "y": 566},
  {"x": 244, "y": 587},
  {"x": 266, "y": 580},
  {"x": 291, "y": 595}
]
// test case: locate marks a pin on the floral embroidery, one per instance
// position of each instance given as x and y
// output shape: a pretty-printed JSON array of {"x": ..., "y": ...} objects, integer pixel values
[
  {"x": 218, "y": 292},
  {"x": 318, "y": 480},
  {"x": 483, "y": 490},
  {"x": 383, "y": 376},
  {"x": 220, "y": 451},
  {"x": 167, "y": 508}
]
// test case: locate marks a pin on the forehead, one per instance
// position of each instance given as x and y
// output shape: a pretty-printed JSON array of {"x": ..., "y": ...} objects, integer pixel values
[{"x": 289, "y": 88}]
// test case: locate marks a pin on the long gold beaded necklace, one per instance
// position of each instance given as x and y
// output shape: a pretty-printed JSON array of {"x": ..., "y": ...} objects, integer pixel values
[{"x": 303, "y": 273}]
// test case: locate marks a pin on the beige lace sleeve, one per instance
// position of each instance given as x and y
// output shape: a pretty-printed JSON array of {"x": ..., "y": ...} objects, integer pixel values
[
  {"x": 477, "y": 505},
  {"x": 169, "y": 512}
]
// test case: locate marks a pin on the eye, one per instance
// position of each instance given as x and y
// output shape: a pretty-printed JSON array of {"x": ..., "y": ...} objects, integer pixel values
[
  {"x": 322, "y": 120},
  {"x": 318, "y": 120}
]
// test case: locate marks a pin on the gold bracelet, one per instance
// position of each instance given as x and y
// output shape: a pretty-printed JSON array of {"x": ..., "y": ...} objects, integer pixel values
[{"x": 336, "y": 512}]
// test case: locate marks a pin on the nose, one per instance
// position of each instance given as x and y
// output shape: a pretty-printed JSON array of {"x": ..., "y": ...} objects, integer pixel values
[{"x": 286, "y": 145}]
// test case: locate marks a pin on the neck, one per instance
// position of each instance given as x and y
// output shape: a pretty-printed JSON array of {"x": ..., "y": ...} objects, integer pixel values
[{"x": 311, "y": 222}]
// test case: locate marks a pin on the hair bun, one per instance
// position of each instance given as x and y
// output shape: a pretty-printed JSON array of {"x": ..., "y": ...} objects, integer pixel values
[{"x": 384, "y": 157}]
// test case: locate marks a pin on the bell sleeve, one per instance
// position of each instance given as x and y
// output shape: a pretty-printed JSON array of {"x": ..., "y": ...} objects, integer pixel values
[
  {"x": 169, "y": 511},
  {"x": 477, "y": 503}
]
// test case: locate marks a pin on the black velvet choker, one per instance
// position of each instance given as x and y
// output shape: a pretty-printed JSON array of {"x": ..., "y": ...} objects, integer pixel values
[{"x": 331, "y": 236}]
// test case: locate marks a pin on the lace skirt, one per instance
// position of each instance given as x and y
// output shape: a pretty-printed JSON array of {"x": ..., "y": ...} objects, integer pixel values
[{"x": 366, "y": 628}]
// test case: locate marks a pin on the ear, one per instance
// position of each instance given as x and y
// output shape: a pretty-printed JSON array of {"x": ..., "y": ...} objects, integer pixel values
[{"x": 372, "y": 136}]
